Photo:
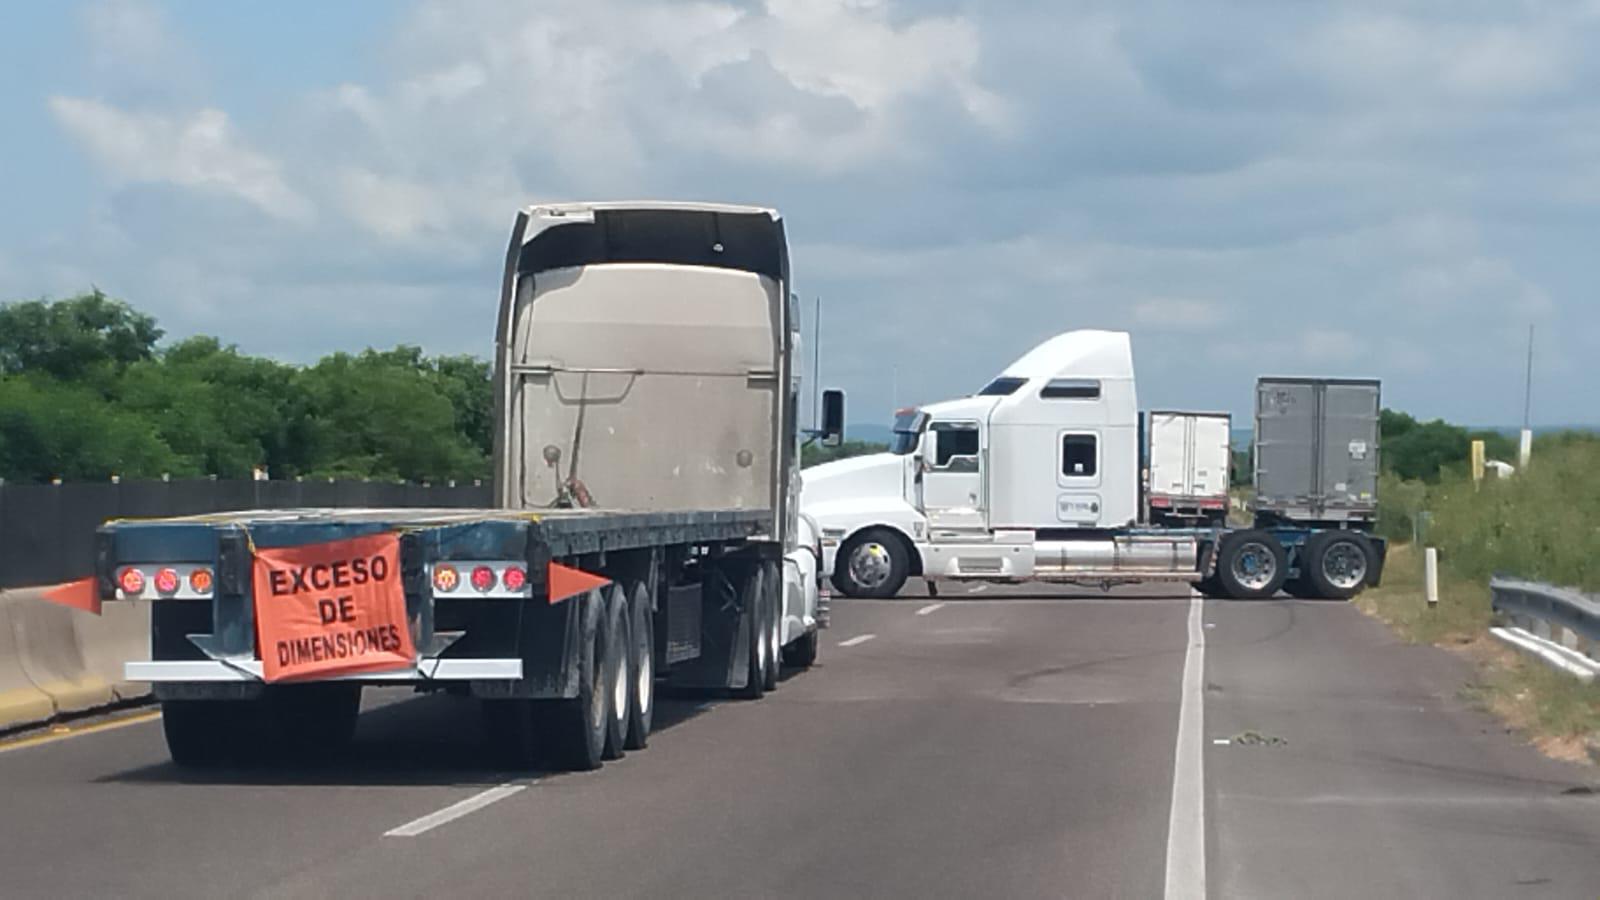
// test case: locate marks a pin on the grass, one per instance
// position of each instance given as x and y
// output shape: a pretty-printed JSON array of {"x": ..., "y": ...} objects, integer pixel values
[
  {"x": 1556, "y": 712},
  {"x": 1461, "y": 616}
]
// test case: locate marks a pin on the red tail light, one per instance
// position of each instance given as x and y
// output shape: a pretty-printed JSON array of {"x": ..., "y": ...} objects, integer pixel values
[
  {"x": 131, "y": 581},
  {"x": 201, "y": 581},
  {"x": 167, "y": 582},
  {"x": 515, "y": 579},
  {"x": 482, "y": 579},
  {"x": 445, "y": 578}
]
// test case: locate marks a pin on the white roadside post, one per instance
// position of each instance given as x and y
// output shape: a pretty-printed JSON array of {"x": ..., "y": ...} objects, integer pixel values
[
  {"x": 1525, "y": 450},
  {"x": 1430, "y": 576}
]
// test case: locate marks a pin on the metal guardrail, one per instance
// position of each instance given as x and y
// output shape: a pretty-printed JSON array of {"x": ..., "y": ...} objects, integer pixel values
[{"x": 1560, "y": 625}]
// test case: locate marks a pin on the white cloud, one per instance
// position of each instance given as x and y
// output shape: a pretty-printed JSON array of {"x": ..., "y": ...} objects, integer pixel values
[
  {"x": 1178, "y": 314},
  {"x": 1322, "y": 346},
  {"x": 199, "y": 152}
]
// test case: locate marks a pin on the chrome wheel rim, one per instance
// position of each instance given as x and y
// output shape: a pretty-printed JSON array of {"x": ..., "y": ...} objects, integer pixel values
[
  {"x": 1254, "y": 566},
  {"x": 870, "y": 564},
  {"x": 646, "y": 681},
  {"x": 1344, "y": 565}
]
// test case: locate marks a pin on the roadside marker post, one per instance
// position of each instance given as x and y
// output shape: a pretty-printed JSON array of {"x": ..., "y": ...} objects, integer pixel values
[{"x": 1430, "y": 576}]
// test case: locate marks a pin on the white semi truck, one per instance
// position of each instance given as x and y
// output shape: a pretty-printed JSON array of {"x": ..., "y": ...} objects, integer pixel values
[
  {"x": 1187, "y": 468},
  {"x": 1037, "y": 477}
]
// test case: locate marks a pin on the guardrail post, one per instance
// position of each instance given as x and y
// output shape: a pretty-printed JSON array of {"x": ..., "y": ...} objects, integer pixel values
[{"x": 1430, "y": 575}]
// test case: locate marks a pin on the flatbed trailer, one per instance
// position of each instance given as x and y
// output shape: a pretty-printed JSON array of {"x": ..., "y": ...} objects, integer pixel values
[
  {"x": 646, "y": 475},
  {"x": 692, "y": 596}
]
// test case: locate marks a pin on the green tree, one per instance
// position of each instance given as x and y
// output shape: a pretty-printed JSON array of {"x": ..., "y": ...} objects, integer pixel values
[
  {"x": 53, "y": 430},
  {"x": 222, "y": 412},
  {"x": 816, "y": 454},
  {"x": 71, "y": 339},
  {"x": 385, "y": 415},
  {"x": 1424, "y": 450}
]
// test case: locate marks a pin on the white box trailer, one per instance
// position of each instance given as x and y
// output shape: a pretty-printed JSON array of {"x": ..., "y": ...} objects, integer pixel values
[{"x": 1189, "y": 457}]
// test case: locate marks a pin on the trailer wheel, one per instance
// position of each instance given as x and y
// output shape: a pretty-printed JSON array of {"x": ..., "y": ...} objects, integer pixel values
[
  {"x": 512, "y": 729},
  {"x": 202, "y": 733},
  {"x": 1337, "y": 563},
  {"x": 1251, "y": 565},
  {"x": 618, "y": 685},
  {"x": 641, "y": 662},
  {"x": 578, "y": 726},
  {"x": 754, "y": 629},
  {"x": 774, "y": 597},
  {"x": 312, "y": 720},
  {"x": 802, "y": 654},
  {"x": 873, "y": 564}
]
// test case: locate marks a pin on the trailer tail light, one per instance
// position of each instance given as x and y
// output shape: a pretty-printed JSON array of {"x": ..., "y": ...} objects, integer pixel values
[
  {"x": 445, "y": 579},
  {"x": 201, "y": 581},
  {"x": 131, "y": 581},
  {"x": 488, "y": 579},
  {"x": 483, "y": 579},
  {"x": 167, "y": 582},
  {"x": 514, "y": 579}
]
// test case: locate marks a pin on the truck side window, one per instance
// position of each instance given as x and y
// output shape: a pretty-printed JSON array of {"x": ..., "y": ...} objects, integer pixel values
[
  {"x": 1071, "y": 389},
  {"x": 956, "y": 448},
  {"x": 1078, "y": 455}
]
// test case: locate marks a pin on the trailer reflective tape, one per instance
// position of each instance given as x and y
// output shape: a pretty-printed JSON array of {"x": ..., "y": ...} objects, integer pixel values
[
  {"x": 336, "y": 608},
  {"x": 567, "y": 582}
]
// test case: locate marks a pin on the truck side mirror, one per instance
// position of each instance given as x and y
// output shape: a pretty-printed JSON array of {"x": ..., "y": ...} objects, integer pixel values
[{"x": 832, "y": 418}]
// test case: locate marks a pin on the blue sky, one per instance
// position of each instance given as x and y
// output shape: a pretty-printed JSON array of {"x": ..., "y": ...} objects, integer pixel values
[{"x": 1391, "y": 189}]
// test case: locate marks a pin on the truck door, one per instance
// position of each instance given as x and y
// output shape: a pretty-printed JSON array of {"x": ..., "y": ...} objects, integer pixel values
[
  {"x": 1211, "y": 453},
  {"x": 952, "y": 481}
]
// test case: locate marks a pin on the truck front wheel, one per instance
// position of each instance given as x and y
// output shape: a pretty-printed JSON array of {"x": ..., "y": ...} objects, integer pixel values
[
  {"x": 1251, "y": 565},
  {"x": 873, "y": 564}
]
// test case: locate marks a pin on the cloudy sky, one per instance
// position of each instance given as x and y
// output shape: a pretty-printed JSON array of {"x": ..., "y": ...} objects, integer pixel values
[{"x": 1393, "y": 189}]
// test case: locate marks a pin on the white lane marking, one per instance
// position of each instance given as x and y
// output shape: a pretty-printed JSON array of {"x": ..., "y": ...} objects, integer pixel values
[
  {"x": 931, "y": 607},
  {"x": 455, "y": 811},
  {"x": 1186, "y": 826},
  {"x": 858, "y": 639},
  {"x": 977, "y": 589}
]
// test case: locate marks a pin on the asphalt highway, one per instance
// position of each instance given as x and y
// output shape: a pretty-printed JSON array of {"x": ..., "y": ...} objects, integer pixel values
[{"x": 1013, "y": 742}]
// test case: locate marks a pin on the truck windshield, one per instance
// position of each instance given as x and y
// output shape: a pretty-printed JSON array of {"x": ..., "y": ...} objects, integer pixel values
[{"x": 908, "y": 425}]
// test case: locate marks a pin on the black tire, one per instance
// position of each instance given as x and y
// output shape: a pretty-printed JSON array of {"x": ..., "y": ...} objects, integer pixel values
[
  {"x": 641, "y": 663},
  {"x": 775, "y": 591},
  {"x": 312, "y": 721},
  {"x": 202, "y": 734},
  {"x": 753, "y": 628},
  {"x": 802, "y": 654},
  {"x": 874, "y": 541},
  {"x": 576, "y": 728},
  {"x": 1251, "y": 565},
  {"x": 512, "y": 729},
  {"x": 618, "y": 671},
  {"x": 1336, "y": 564}
]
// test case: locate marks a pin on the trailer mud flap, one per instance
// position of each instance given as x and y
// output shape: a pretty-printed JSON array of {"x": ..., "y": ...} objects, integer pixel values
[{"x": 724, "y": 635}]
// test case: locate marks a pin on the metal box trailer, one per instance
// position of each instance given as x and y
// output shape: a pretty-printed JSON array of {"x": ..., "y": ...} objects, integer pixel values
[
  {"x": 1316, "y": 451},
  {"x": 1189, "y": 457}
]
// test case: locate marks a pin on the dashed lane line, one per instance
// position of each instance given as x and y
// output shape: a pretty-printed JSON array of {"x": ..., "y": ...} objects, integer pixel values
[
  {"x": 456, "y": 810},
  {"x": 858, "y": 639}
]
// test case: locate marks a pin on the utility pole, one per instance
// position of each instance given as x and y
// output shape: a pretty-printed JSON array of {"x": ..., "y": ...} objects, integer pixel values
[{"x": 1525, "y": 448}]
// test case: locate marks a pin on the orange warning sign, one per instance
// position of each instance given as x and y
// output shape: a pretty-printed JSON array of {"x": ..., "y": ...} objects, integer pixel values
[{"x": 332, "y": 609}]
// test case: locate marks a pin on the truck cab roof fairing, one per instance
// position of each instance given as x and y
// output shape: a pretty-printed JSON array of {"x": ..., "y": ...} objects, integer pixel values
[{"x": 746, "y": 239}]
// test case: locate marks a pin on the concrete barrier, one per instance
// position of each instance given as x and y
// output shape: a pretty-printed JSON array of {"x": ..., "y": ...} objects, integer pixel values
[
  {"x": 47, "y": 646},
  {"x": 120, "y": 634},
  {"x": 21, "y": 701}
]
